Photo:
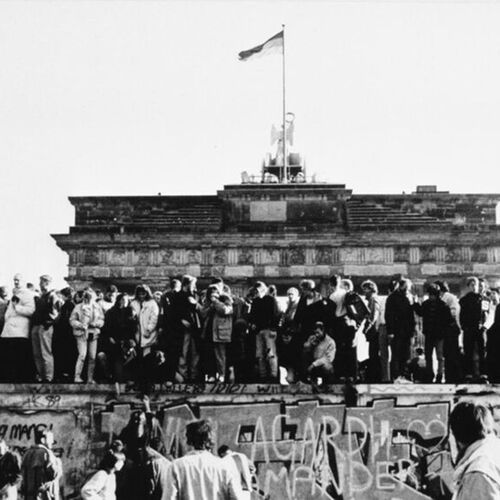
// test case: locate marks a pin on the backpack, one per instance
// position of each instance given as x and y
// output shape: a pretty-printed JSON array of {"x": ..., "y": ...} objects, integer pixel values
[{"x": 356, "y": 307}]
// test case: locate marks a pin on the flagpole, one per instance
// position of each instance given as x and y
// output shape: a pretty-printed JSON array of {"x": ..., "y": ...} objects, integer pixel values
[{"x": 285, "y": 162}]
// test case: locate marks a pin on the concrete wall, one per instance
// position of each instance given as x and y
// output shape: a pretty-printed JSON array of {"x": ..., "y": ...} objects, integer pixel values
[{"x": 304, "y": 444}]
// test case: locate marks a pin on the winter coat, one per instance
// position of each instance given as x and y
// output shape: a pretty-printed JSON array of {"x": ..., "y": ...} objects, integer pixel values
[
  {"x": 399, "y": 317},
  {"x": 436, "y": 318},
  {"x": 147, "y": 322},
  {"x": 264, "y": 313},
  {"x": 307, "y": 314},
  {"x": 41, "y": 471},
  {"x": 119, "y": 324},
  {"x": 87, "y": 319},
  {"x": 184, "y": 310},
  {"x": 471, "y": 314},
  {"x": 220, "y": 313},
  {"x": 323, "y": 353},
  {"x": 477, "y": 475},
  {"x": 47, "y": 308},
  {"x": 17, "y": 316}
]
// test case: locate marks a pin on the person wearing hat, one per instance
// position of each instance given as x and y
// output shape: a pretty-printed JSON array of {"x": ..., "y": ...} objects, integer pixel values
[
  {"x": 41, "y": 469},
  {"x": 47, "y": 308}
]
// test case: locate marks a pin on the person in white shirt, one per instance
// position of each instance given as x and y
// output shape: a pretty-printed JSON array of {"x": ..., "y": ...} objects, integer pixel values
[
  {"x": 200, "y": 474},
  {"x": 102, "y": 484},
  {"x": 244, "y": 468}
]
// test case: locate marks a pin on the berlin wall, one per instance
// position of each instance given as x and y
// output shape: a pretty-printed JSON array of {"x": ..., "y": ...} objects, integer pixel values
[{"x": 304, "y": 444}]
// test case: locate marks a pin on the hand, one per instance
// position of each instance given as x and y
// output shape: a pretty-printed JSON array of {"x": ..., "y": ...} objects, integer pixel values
[
  {"x": 146, "y": 402},
  {"x": 192, "y": 300}
]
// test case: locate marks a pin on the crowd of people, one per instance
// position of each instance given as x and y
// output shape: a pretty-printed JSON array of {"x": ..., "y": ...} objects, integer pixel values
[
  {"x": 190, "y": 336},
  {"x": 135, "y": 465}
]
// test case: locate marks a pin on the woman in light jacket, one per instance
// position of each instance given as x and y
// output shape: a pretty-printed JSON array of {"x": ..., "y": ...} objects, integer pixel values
[
  {"x": 102, "y": 484},
  {"x": 86, "y": 320},
  {"x": 146, "y": 312},
  {"x": 15, "y": 348}
]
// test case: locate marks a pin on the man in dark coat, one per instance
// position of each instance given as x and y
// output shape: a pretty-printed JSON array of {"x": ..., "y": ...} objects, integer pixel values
[
  {"x": 437, "y": 320},
  {"x": 400, "y": 324},
  {"x": 473, "y": 312}
]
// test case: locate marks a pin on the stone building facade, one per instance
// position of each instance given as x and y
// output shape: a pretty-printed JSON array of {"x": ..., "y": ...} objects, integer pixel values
[{"x": 281, "y": 233}]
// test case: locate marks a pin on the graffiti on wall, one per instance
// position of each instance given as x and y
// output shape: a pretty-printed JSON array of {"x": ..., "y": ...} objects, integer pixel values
[
  {"x": 304, "y": 447},
  {"x": 307, "y": 449}
]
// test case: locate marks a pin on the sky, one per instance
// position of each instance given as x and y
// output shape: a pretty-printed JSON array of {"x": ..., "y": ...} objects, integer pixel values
[{"x": 139, "y": 97}]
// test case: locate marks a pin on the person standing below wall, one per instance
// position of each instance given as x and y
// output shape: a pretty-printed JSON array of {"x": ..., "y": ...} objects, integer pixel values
[
  {"x": 244, "y": 467},
  {"x": 47, "y": 307},
  {"x": 477, "y": 473},
  {"x": 41, "y": 469},
  {"x": 10, "y": 472},
  {"x": 16, "y": 359},
  {"x": 102, "y": 484},
  {"x": 200, "y": 475}
]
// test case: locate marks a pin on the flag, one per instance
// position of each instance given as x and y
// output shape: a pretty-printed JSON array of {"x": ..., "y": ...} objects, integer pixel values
[{"x": 271, "y": 46}]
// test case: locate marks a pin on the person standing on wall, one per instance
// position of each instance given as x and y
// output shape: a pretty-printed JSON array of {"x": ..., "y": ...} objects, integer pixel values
[
  {"x": 400, "y": 324},
  {"x": 263, "y": 320},
  {"x": 64, "y": 344},
  {"x": 47, "y": 307},
  {"x": 437, "y": 320},
  {"x": 87, "y": 320},
  {"x": 217, "y": 328},
  {"x": 473, "y": 313},
  {"x": 16, "y": 362},
  {"x": 371, "y": 330},
  {"x": 185, "y": 310},
  {"x": 41, "y": 469}
]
